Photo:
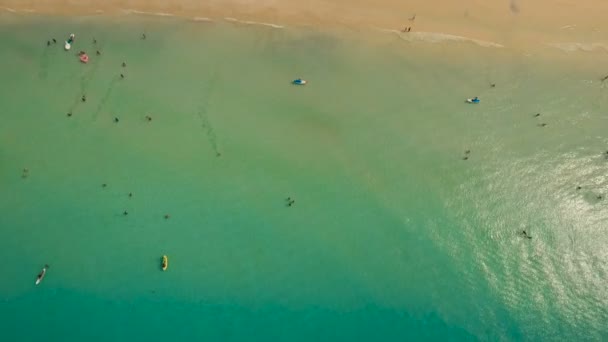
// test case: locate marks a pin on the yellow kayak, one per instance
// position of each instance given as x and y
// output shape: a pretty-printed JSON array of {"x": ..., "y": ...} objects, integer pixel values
[{"x": 165, "y": 263}]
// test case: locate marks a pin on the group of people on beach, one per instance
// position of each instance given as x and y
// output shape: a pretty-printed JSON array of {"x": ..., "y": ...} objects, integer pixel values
[{"x": 409, "y": 28}]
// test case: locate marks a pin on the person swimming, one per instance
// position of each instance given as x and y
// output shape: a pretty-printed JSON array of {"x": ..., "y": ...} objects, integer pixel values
[
  {"x": 48, "y": 43},
  {"x": 143, "y": 36},
  {"x": 536, "y": 115},
  {"x": 116, "y": 120},
  {"x": 525, "y": 234},
  {"x": 54, "y": 41},
  {"x": 104, "y": 185},
  {"x": 125, "y": 213},
  {"x": 98, "y": 53},
  {"x": 84, "y": 98},
  {"x": 122, "y": 76},
  {"x": 94, "y": 41},
  {"x": 69, "y": 114},
  {"x": 130, "y": 194},
  {"x": 578, "y": 187},
  {"x": 149, "y": 118},
  {"x": 124, "y": 64},
  {"x": 167, "y": 216}
]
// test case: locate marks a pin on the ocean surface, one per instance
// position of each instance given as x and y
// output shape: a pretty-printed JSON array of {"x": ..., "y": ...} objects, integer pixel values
[{"x": 396, "y": 232}]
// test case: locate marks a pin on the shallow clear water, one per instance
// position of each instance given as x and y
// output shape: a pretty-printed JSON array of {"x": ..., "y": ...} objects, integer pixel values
[{"x": 392, "y": 236}]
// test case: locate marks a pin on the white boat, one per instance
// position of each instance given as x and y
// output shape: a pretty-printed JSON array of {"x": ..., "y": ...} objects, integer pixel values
[
  {"x": 67, "y": 46},
  {"x": 42, "y": 274}
]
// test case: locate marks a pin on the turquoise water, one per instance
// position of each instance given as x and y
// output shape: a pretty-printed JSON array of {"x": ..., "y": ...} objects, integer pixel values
[{"x": 393, "y": 236}]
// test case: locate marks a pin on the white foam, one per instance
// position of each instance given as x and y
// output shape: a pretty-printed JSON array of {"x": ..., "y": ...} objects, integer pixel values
[
  {"x": 247, "y": 22},
  {"x": 567, "y": 27},
  {"x": 586, "y": 47},
  {"x": 159, "y": 14},
  {"x": 202, "y": 19},
  {"x": 437, "y": 37},
  {"x": 8, "y": 9}
]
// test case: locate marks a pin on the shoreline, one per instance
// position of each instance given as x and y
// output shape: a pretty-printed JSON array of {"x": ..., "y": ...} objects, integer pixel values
[{"x": 570, "y": 28}]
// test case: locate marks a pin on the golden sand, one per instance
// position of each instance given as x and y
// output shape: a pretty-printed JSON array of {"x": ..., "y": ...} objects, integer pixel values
[{"x": 512, "y": 23}]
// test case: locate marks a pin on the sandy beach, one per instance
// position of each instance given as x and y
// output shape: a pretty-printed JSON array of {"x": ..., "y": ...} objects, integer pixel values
[{"x": 574, "y": 25}]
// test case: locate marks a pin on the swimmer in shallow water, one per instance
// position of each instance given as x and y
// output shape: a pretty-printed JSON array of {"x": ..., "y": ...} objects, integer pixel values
[
  {"x": 98, "y": 53},
  {"x": 83, "y": 98},
  {"x": 525, "y": 234},
  {"x": 536, "y": 115},
  {"x": 124, "y": 64},
  {"x": 54, "y": 41}
]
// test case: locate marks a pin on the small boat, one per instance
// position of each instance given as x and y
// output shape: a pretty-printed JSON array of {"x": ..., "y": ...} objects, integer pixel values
[
  {"x": 164, "y": 263},
  {"x": 42, "y": 274},
  {"x": 299, "y": 81},
  {"x": 473, "y": 100},
  {"x": 84, "y": 58},
  {"x": 67, "y": 46}
]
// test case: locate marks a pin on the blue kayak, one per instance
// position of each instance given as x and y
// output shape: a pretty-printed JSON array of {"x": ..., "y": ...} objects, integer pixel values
[{"x": 299, "y": 81}]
